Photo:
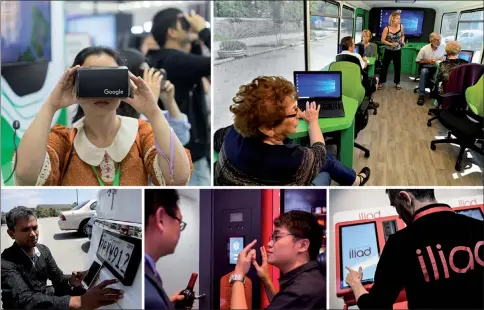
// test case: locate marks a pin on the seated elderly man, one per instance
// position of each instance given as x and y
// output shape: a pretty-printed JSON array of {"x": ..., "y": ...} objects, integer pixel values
[
  {"x": 426, "y": 58},
  {"x": 452, "y": 49}
]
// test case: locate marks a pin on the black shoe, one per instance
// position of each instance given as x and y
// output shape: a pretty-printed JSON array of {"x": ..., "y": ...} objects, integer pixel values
[
  {"x": 421, "y": 100},
  {"x": 373, "y": 105},
  {"x": 363, "y": 179}
]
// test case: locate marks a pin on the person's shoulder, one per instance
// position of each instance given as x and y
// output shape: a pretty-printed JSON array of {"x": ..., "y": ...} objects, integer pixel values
[{"x": 43, "y": 248}]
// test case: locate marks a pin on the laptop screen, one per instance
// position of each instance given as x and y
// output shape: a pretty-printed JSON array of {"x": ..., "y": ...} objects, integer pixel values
[
  {"x": 466, "y": 55},
  {"x": 356, "y": 51},
  {"x": 318, "y": 85}
]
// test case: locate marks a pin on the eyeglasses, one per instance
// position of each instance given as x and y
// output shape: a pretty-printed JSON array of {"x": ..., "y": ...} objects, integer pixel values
[
  {"x": 183, "y": 225},
  {"x": 293, "y": 115},
  {"x": 275, "y": 237}
]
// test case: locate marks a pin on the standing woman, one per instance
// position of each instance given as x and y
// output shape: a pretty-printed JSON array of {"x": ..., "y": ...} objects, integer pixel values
[{"x": 393, "y": 38}]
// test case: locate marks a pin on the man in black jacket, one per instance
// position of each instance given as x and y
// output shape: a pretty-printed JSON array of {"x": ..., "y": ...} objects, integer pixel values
[
  {"x": 27, "y": 265},
  {"x": 437, "y": 258},
  {"x": 173, "y": 30}
]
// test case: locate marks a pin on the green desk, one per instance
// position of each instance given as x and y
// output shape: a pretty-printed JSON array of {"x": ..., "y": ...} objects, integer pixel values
[
  {"x": 344, "y": 124},
  {"x": 371, "y": 65}
]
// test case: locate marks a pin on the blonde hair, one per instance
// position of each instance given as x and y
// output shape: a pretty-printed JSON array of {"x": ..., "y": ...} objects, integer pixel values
[
  {"x": 366, "y": 31},
  {"x": 392, "y": 16},
  {"x": 452, "y": 48}
]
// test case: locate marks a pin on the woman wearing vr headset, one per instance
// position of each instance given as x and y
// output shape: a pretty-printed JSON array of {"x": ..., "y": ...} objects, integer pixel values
[
  {"x": 165, "y": 91},
  {"x": 102, "y": 148}
]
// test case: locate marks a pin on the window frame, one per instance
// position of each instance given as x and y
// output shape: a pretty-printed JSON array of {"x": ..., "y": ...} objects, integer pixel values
[
  {"x": 362, "y": 24},
  {"x": 341, "y": 21},
  {"x": 442, "y": 22}
]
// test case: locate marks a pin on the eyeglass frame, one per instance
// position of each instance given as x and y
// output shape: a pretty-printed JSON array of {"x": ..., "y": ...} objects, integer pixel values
[
  {"x": 183, "y": 224},
  {"x": 273, "y": 235}
]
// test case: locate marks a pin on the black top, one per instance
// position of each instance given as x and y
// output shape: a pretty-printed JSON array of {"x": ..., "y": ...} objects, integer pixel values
[
  {"x": 446, "y": 68},
  {"x": 437, "y": 259},
  {"x": 24, "y": 286},
  {"x": 250, "y": 161},
  {"x": 185, "y": 71},
  {"x": 301, "y": 288}
]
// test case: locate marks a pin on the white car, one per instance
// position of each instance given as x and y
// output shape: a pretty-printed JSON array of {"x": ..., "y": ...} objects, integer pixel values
[
  {"x": 116, "y": 244},
  {"x": 78, "y": 217}
]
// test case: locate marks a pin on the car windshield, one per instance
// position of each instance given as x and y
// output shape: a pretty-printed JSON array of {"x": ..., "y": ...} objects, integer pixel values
[{"x": 82, "y": 204}]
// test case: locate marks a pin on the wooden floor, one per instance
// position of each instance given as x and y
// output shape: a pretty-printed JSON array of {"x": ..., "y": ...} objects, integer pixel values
[{"x": 399, "y": 142}]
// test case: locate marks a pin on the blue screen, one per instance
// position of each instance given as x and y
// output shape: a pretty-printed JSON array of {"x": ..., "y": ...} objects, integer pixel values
[
  {"x": 466, "y": 55},
  {"x": 356, "y": 51},
  {"x": 412, "y": 21},
  {"x": 359, "y": 248},
  {"x": 236, "y": 246},
  {"x": 475, "y": 213},
  {"x": 25, "y": 31},
  {"x": 92, "y": 25},
  {"x": 324, "y": 85}
]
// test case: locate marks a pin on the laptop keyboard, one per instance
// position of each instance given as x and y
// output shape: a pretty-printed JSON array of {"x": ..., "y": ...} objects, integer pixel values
[{"x": 331, "y": 105}]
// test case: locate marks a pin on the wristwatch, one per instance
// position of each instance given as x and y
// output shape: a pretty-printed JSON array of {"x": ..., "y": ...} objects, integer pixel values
[{"x": 236, "y": 277}]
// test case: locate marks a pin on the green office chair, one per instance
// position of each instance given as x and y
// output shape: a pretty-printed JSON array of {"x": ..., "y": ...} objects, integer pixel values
[
  {"x": 352, "y": 87},
  {"x": 475, "y": 97}
]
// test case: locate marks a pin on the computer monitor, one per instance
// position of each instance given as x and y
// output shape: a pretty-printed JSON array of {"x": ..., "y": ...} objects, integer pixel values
[
  {"x": 411, "y": 19},
  {"x": 359, "y": 248},
  {"x": 318, "y": 84},
  {"x": 357, "y": 49},
  {"x": 466, "y": 55},
  {"x": 474, "y": 213},
  {"x": 92, "y": 24}
]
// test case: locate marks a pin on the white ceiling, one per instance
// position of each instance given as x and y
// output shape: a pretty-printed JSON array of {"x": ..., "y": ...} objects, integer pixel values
[{"x": 437, "y": 5}]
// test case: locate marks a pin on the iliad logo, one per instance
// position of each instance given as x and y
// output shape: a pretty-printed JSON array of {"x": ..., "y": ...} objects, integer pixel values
[
  {"x": 368, "y": 215},
  {"x": 467, "y": 202},
  {"x": 360, "y": 252},
  {"x": 472, "y": 255}
]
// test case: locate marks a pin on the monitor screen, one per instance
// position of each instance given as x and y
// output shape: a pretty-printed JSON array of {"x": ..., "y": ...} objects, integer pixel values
[
  {"x": 359, "y": 247},
  {"x": 412, "y": 21},
  {"x": 318, "y": 85},
  {"x": 236, "y": 246},
  {"x": 92, "y": 24},
  {"x": 356, "y": 51},
  {"x": 475, "y": 213},
  {"x": 466, "y": 55},
  {"x": 25, "y": 31}
]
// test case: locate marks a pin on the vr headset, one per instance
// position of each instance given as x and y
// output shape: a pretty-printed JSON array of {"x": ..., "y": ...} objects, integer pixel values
[
  {"x": 103, "y": 82},
  {"x": 183, "y": 21}
]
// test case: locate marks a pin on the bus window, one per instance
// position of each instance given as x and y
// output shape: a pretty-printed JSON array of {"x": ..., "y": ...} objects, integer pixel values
[
  {"x": 470, "y": 31},
  {"x": 359, "y": 28},
  {"x": 448, "y": 27},
  {"x": 324, "y": 34},
  {"x": 347, "y": 23},
  {"x": 254, "y": 38}
]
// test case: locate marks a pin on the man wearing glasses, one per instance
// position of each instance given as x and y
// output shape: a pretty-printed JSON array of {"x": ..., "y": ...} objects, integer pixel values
[
  {"x": 294, "y": 249},
  {"x": 163, "y": 225}
]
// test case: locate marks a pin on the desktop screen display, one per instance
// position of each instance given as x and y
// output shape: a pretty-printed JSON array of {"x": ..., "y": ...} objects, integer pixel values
[
  {"x": 475, "y": 213},
  {"x": 359, "y": 247},
  {"x": 466, "y": 55},
  {"x": 411, "y": 20},
  {"x": 323, "y": 85},
  {"x": 25, "y": 31},
  {"x": 92, "y": 25}
]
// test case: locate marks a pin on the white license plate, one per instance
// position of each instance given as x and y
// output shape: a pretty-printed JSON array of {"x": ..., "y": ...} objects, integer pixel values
[{"x": 115, "y": 252}]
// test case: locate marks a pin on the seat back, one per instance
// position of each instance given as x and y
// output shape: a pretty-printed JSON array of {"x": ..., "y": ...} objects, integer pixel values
[
  {"x": 351, "y": 79},
  {"x": 461, "y": 78},
  {"x": 475, "y": 97},
  {"x": 374, "y": 49},
  {"x": 226, "y": 292},
  {"x": 349, "y": 58}
]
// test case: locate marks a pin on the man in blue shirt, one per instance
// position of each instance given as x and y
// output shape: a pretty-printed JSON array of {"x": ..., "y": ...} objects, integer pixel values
[{"x": 163, "y": 225}]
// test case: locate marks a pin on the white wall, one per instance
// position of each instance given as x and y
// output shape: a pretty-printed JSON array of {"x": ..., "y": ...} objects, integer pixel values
[
  {"x": 176, "y": 269},
  {"x": 348, "y": 204}
]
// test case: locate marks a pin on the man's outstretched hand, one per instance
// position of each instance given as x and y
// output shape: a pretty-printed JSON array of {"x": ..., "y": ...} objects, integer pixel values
[{"x": 77, "y": 277}]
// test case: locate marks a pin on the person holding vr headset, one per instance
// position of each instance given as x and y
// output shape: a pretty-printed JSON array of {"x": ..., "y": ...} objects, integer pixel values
[{"x": 102, "y": 148}]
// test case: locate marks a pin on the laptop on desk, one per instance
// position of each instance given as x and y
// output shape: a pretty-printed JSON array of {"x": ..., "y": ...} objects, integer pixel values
[{"x": 322, "y": 87}]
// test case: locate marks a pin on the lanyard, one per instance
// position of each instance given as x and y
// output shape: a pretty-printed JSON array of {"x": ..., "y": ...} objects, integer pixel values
[{"x": 116, "y": 176}]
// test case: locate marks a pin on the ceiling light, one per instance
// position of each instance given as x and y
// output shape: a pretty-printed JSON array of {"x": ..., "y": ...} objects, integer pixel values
[
  {"x": 405, "y": 1},
  {"x": 136, "y": 30},
  {"x": 147, "y": 26}
]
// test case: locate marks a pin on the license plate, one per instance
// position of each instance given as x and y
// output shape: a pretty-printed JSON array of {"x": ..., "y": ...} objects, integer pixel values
[{"x": 115, "y": 252}]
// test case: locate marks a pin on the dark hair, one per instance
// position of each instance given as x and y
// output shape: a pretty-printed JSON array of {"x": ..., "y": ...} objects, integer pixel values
[
  {"x": 136, "y": 41},
  {"x": 346, "y": 43},
  {"x": 157, "y": 198},
  {"x": 124, "y": 109},
  {"x": 162, "y": 21},
  {"x": 303, "y": 225},
  {"x": 419, "y": 194},
  {"x": 18, "y": 213},
  {"x": 133, "y": 59}
]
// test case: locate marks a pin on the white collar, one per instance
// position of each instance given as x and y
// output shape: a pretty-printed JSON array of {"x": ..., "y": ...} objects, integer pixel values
[{"x": 118, "y": 150}]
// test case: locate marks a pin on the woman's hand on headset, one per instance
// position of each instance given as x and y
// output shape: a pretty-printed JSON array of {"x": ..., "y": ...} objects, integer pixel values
[
  {"x": 64, "y": 93},
  {"x": 144, "y": 102},
  {"x": 167, "y": 94},
  {"x": 153, "y": 78}
]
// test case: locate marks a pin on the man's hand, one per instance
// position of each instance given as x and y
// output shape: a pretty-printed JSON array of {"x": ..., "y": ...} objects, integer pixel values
[
  {"x": 263, "y": 269},
  {"x": 176, "y": 297},
  {"x": 77, "y": 277},
  {"x": 354, "y": 277},
  {"x": 197, "y": 23},
  {"x": 245, "y": 259},
  {"x": 97, "y": 296}
]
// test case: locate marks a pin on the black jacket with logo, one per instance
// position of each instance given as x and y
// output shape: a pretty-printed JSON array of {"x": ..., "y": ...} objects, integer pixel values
[{"x": 438, "y": 259}]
